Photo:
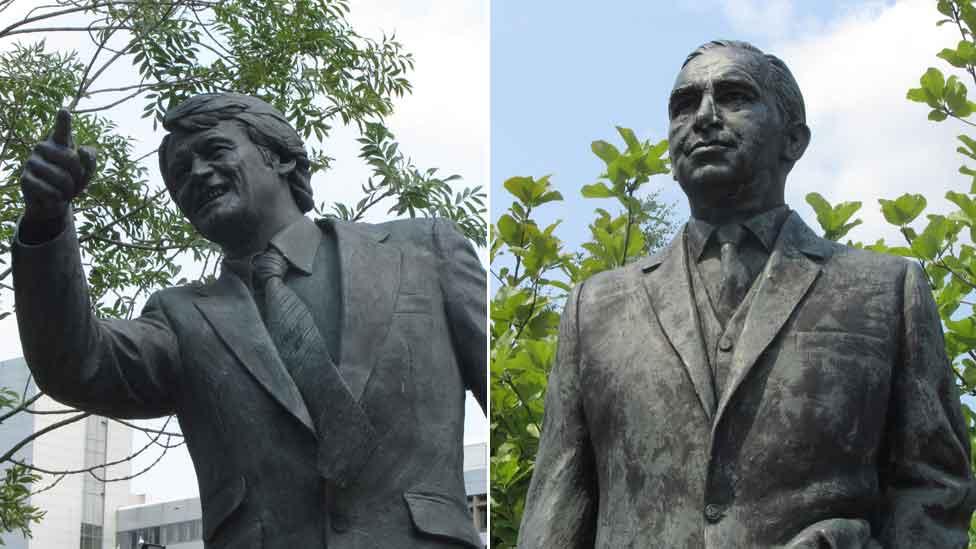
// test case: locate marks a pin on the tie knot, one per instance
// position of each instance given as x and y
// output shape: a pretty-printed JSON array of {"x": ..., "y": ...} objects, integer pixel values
[
  {"x": 730, "y": 234},
  {"x": 269, "y": 264}
]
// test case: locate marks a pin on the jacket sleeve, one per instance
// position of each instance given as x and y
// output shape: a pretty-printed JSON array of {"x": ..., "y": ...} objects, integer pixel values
[
  {"x": 926, "y": 478},
  {"x": 464, "y": 285},
  {"x": 560, "y": 508},
  {"x": 121, "y": 368}
]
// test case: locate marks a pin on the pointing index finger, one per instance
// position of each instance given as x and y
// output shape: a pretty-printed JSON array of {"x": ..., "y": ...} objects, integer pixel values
[{"x": 61, "y": 134}]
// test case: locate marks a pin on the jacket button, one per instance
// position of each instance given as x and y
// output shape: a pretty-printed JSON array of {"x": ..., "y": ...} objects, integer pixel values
[
  {"x": 725, "y": 344},
  {"x": 714, "y": 513},
  {"x": 340, "y": 522}
]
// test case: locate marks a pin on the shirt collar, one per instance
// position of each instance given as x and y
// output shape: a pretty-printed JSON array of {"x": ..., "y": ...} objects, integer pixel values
[
  {"x": 298, "y": 242},
  {"x": 765, "y": 227}
]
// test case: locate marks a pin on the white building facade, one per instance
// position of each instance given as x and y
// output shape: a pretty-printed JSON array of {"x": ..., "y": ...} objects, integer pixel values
[{"x": 79, "y": 509}]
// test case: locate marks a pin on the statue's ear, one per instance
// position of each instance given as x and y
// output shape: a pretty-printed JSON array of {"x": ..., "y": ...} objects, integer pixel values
[
  {"x": 285, "y": 168},
  {"x": 797, "y": 138}
]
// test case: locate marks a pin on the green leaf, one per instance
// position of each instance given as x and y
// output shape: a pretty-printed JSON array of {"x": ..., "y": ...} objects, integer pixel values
[
  {"x": 822, "y": 208},
  {"x": 607, "y": 152},
  {"x": 551, "y": 196},
  {"x": 965, "y": 203},
  {"x": 937, "y": 115},
  {"x": 902, "y": 210},
  {"x": 520, "y": 187},
  {"x": 970, "y": 144},
  {"x": 952, "y": 57},
  {"x": 531, "y": 192},
  {"x": 933, "y": 81},
  {"x": 955, "y": 97},
  {"x": 509, "y": 229},
  {"x": 633, "y": 145},
  {"x": 933, "y": 239},
  {"x": 596, "y": 190}
]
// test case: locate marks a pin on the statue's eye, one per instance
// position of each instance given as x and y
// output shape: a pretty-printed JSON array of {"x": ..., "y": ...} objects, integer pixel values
[
  {"x": 735, "y": 96},
  {"x": 682, "y": 104},
  {"x": 217, "y": 152}
]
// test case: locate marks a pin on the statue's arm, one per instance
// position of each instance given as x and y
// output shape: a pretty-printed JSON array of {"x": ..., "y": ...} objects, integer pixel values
[
  {"x": 464, "y": 286},
  {"x": 925, "y": 475},
  {"x": 111, "y": 367},
  {"x": 560, "y": 508}
]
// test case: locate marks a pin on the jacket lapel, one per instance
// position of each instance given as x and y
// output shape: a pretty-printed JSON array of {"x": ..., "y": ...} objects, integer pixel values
[
  {"x": 370, "y": 274},
  {"x": 668, "y": 285},
  {"x": 228, "y": 307},
  {"x": 793, "y": 266}
]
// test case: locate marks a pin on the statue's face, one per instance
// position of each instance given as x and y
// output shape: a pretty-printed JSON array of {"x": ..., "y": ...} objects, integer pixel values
[
  {"x": 223, "y": 184},
  {"x": 726, "y": 134}
]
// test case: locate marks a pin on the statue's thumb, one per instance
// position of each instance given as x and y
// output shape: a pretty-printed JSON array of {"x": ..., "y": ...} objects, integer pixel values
[{"x": 87, "y": 156}]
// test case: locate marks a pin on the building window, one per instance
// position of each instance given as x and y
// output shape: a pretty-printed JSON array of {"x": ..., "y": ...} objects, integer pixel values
[
  {"x": 91, "y": 536},
  {"x": 165, "y": 534},
  {"x": 478, "y": 507},
  {"x": 93, "y": 490}
]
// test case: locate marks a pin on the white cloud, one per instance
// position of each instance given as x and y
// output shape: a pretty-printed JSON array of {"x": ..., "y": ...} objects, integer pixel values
[
  {"x": 771, "y": 17},
  {"x": 869, "y": 142}
]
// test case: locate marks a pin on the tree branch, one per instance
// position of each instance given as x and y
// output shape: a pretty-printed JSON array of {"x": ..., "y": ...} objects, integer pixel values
[
  {"x": 108, "y": 106},
  {"x": 63, "y": 29},
  {"x": 83, "y": 82},
  {"x": 7, "y": 455},
  {"x": 23, "y": 406},
  {"x": 146, "y": 429}
]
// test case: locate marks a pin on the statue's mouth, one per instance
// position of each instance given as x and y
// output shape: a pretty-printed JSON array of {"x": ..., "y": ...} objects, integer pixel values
[
  {"x": 711, "y": 145},
  {"x": 211, "y": 195}
]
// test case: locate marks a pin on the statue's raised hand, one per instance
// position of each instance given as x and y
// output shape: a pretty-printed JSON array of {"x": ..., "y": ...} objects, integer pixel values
[{"x": 55, "y": 173}]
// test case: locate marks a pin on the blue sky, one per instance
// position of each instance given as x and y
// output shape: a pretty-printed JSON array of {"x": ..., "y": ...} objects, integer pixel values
[{"x": 565, "y": 73}]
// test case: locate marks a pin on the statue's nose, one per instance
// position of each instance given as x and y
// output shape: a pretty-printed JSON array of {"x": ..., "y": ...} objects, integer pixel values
[
  {"x": 201, "y": 170},
  {"x": 706, "y": 115}
]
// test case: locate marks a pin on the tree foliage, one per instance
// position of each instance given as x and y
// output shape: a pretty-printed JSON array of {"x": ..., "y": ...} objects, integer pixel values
[
  {"x": 533, "y": 273},
  {"x": 302, "y": 56}
]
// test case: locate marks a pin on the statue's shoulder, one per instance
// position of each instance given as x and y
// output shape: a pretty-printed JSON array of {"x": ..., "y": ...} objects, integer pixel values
[
  {"x": 412, "y": 232},
  {"x": 866, "y": 261},
  {"x": 607, "y": 286}
]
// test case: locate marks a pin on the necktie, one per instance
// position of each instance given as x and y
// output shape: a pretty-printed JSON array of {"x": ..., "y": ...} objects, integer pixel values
[
  {"x": 735, "y": 279},
  {"x": 346, "y": 437}
]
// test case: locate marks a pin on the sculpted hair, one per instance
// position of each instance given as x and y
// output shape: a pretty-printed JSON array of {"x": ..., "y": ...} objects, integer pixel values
[
  {"x": 786, "y": 91},
  {"x": 265, "y": 125}
]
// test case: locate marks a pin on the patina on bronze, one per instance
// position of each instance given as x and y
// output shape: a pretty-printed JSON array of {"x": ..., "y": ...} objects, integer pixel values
[
  {"x": 818, "y": 412},
  {"x": 347, "y": 437}
]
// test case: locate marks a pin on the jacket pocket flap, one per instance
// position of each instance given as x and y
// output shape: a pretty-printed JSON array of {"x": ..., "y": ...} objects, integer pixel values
[
  {"x": 413, "y": 303},
  {"x": 222, "y": 504},
  {"x": 439, "y": 515}
]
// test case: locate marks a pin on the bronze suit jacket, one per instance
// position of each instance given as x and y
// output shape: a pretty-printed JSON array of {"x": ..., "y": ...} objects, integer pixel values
[
  {"x": 413, "y": 338},
  {"x": 839, "y": 427}
]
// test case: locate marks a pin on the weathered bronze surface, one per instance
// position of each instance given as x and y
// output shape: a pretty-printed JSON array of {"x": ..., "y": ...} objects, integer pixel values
[
  {"x": 346, "y": 437},
  {"x": 820, "y": 411}
]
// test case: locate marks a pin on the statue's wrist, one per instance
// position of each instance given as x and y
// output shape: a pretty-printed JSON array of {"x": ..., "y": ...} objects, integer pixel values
[{"x": 42, "y": 225}]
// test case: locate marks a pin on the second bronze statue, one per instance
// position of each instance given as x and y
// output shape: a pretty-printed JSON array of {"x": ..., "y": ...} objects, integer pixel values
[{"x": 752, "y": 385}]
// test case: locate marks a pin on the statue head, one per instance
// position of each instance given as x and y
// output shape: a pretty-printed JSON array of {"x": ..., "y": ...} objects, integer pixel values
[
  {"x": 737, "y": 126},
  {"x": 235, "y": 167}
]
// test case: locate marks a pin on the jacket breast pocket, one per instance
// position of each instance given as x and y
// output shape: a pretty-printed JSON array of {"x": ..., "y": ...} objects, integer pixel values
[
  {"x": 442, "y": 517},
  {"x": 413, "y": 303},
  {"x": 838, "y": 387}
]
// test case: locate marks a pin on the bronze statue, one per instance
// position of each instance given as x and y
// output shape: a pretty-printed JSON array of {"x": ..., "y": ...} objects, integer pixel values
[
  {"x": 319, "y": 381},
  {"x": 752, "y": 385}
]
